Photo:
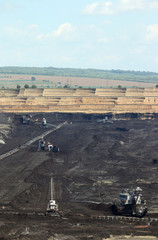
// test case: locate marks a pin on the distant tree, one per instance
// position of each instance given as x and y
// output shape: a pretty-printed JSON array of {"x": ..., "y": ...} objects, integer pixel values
[
  {"x": 66, "y": 86},
  {"x": 156, "y": 86},
  {"x": 26, "y": 86},
  {"x": 33, "y": 79},
  {"x": 18, "y": 86},
  {"x": 34, "y": 86},
  {"x": 119, "y": 86}
]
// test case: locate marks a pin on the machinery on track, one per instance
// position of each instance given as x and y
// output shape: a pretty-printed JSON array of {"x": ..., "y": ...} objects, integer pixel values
[
  {"x": 52, "y": 208},
  {"x": 43, "y": 146},
  {"x": 131, "y": 203}
]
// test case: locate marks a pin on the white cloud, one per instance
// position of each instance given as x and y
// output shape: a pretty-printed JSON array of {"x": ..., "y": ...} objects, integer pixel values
[
  {"x": 31, "y": 33},
  {"x": 108, "y": 8},
  {"x": 44, "y": 36},
  {"x": 103, "y": 7},
  {"x": 27, "y": 34},
  {"x": 14, "y": 32},
  {"x": 152, "y": 32},
  {"x": 33, "y": 26},
  {"x": 102, "y": 40},
  {"x": 129, "y": 5},
  {"x": 90, "y": 8},
  {"x": 20, "y": 31},
  {"x": 123, "y": 37},
  {"x": 64, "y": 30},
  {"x": 106, "y": 22},
  {"x": 111, "y": 58},
  {"x": 102, "y": 60},
  {"x": 153, "y": 4},
  {"x": 65, "y": 59},
  {"x": 8, "y": 7}
]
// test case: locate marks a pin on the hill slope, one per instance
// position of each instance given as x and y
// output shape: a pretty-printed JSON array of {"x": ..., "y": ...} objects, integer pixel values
[{"x": 86, "y": 73}]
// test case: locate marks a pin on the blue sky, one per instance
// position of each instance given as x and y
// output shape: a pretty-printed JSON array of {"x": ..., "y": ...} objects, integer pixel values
[{"x": 112, "y": 34}]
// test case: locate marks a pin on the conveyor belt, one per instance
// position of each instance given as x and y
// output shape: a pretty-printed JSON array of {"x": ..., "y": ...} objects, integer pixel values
[
  {"x": 11, "y": 152},
  {"x": 125, "y": 218}
]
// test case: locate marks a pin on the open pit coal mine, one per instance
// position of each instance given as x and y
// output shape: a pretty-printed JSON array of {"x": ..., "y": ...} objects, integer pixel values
[{"x": 99, "y": 155}]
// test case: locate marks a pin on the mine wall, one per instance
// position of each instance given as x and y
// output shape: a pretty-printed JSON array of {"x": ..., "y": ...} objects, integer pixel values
[
  {"x": 100, "y": 154},
  {"x": 89, "y": 101},
  {"x": 116, "y": 147},
  {"x": 96, "y": 159}
]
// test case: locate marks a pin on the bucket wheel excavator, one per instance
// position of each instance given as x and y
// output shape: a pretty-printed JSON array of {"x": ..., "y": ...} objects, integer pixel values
[{"x": 131, "y": 203}]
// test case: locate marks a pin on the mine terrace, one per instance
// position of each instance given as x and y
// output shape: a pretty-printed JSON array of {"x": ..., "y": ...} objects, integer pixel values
[{"x": 66, "y": 155}]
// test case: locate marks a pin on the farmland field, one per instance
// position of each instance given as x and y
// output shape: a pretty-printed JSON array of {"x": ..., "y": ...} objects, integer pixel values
[{"x": 45, "y": 81}]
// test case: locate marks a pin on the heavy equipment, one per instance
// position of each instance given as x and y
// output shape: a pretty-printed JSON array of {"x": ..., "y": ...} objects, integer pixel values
[
  {"x": 25, "y": 119},
  {"x": 105, "y": 120},
  {"x": 44, "y": 122},
  {"x": 43, "y": 146},
  {"x": 130, "y": 202},
  {"x": 52, "y": 208}
]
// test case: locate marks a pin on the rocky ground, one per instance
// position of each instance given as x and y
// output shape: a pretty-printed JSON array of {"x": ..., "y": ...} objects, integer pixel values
[{"x": 95, "y": 162}]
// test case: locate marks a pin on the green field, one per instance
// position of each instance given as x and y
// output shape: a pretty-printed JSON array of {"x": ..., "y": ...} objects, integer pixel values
[{"x": 119, "y": 75}]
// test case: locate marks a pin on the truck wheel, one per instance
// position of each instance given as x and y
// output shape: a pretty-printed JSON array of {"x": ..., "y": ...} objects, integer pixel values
[{"x": 140, "y": 211}]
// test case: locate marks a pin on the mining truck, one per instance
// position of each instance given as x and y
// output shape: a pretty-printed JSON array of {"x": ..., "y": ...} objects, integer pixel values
[{"x": 131, "y": 203}]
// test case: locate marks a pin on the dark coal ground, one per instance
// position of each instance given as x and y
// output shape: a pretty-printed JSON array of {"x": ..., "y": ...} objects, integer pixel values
[{"x": 95, "y": 162}]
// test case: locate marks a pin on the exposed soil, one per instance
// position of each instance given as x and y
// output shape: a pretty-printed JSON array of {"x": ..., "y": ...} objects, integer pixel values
[
  {"x": 95, "y": 162},
  {"x": 11, "y": 80}
]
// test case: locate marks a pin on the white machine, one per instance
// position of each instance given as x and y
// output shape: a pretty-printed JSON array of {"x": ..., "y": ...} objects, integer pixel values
[
  {"x": 131, "y": 203},
  {"x": 52, "y": 206},
  {"x": 44, "y": 122}
]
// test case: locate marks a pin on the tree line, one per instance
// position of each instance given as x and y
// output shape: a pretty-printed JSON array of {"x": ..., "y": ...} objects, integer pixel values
[{"x": 125, "y": 75}]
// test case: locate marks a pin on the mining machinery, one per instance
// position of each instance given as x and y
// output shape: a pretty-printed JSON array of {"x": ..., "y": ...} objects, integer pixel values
[
  {"x": 43, "y": 146},
  {"x": 44, "y": 122},
  {"x": 105, "y": 120},
  {"x": 52, "y": 208},
  {"x": 130, "y": 202},
  {"x": 25, "y": 119}
]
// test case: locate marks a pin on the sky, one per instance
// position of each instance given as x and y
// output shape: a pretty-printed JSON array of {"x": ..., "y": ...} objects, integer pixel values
[{"x": 110, "y": 34}]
